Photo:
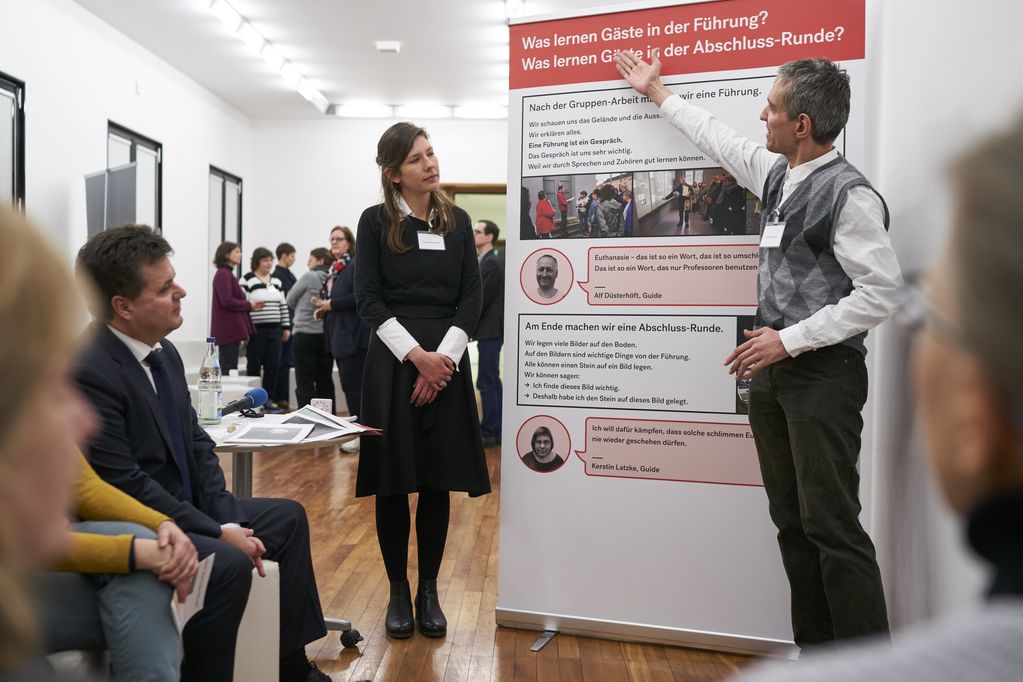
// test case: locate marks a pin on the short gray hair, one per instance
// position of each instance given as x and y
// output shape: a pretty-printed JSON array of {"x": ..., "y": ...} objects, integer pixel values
[{"x": 817, "y": 88}]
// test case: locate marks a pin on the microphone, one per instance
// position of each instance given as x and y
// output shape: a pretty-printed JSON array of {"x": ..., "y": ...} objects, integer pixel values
[{"x": 254, "y": 397}]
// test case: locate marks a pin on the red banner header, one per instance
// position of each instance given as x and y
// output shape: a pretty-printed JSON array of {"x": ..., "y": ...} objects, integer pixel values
[{"x": 705, "y": 37}]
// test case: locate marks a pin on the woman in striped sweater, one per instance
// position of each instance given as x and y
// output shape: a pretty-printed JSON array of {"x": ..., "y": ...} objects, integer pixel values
[{"x": 272, "y": 323}]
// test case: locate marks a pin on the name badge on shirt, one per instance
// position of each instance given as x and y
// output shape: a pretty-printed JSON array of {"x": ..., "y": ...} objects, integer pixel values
[
  {"x": 771, "y": 237},
  {"x": 428, "y": 241}
]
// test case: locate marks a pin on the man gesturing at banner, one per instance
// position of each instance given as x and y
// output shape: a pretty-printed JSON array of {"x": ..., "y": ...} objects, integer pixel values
[{"x": 827, "y": 274}]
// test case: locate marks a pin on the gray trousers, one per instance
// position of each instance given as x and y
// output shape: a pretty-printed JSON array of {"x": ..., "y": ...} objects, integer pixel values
[{"x": 128, "y": 614}]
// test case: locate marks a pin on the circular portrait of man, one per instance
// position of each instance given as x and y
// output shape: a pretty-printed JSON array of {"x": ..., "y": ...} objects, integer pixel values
[
  {"x": 546, "y": 276},
  {"x": 543, "y": 444}
]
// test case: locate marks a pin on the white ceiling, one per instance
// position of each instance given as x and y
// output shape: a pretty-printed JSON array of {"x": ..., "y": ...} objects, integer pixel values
[{"x": 454, "y": 52}]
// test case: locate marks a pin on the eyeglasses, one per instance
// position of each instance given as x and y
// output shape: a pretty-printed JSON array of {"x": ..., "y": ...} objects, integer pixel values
[
  {"x": 916, "y": 312},
  {"x": 475, "y": 231},
  {"x": 338, "y": 239}
]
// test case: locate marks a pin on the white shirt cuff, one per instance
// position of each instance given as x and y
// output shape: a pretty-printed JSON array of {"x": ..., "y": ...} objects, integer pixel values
[
  {"x": 453, "y": 345},
  {"x": 793, "y": 340},
  {"x": 396, "y": 338},
  {"x": 671, "y": 106}
]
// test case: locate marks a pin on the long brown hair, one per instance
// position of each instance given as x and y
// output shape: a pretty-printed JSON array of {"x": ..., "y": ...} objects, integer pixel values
[{"x": 392, "y": 150}]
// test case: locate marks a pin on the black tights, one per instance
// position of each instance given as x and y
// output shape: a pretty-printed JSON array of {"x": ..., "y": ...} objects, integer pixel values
[{"x": 393, "y": 526}]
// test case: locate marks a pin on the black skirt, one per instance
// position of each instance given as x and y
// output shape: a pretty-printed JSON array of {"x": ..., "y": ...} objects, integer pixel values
[{"x": 435, "y": 446}]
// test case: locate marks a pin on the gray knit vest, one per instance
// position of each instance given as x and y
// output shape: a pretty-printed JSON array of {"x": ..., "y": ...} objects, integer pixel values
[{"x": 802, "y": 275}]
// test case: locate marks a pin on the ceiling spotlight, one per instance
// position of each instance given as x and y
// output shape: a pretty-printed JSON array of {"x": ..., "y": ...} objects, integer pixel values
[
  {"x": 273, "y": 58},
  {"x": 423, "y": 111},
  {"x": 481, "y": 111},
  {"x": 251, "y": 37},
  {"x": 363, "y": 110},
  {"x": 226, "y": 14},
  {"x": 290, "y": 75},
  {"x": 392, "y": 46},
  {"x": 514, "y": 8}
]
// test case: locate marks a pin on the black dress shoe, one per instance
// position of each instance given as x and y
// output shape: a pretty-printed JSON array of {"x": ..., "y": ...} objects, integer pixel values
[
  {"x": 429, "y": 617},
  {"x": 399, "y": 611}
]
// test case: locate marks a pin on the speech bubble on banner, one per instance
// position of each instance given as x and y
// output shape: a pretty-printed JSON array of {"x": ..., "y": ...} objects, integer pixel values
[
  {"x": 683, "y": 275},
  {"x": 688, "y": 451}
]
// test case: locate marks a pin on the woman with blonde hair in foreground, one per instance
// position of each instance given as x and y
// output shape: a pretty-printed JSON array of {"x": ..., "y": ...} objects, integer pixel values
[
  {"x": 110, "y": 592},
  {"x": 42, "y": 423},
  {"x": 968, "y": 380}
]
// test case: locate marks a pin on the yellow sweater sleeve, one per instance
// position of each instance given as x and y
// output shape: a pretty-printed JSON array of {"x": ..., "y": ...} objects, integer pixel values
[{"x": 97, "y": 500}]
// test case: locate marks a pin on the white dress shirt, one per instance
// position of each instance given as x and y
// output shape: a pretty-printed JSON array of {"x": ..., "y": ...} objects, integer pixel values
[
  {"x": 861, "y": 244},
  {"x": 398, "y": 339},
  {"x": 140, "y": 350}
]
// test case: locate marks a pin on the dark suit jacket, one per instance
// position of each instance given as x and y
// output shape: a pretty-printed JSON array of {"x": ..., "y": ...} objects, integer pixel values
[
  {"x": 347, "y": 333},
  {"x": 491, "y": 324},
  {"x": 132, "y": 451}
]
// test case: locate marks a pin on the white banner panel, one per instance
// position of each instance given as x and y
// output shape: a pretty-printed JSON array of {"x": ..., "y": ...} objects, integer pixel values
[{"x": 632, "y": 504}]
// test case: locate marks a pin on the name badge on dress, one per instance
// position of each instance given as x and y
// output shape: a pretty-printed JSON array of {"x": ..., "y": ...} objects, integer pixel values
[{"x": 428, "y": 241}]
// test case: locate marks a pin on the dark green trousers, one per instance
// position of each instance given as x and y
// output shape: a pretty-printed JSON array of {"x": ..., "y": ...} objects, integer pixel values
[{"x": 806, "y": 422}]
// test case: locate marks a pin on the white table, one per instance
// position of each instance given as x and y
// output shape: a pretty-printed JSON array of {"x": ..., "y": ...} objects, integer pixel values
[{"x": 241, "y": 480}]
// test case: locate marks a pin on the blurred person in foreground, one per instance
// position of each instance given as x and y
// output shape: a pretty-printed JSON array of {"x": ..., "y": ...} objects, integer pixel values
[
  {"x": 968, "y": 380},
  {"x": 43, "y": 421}
]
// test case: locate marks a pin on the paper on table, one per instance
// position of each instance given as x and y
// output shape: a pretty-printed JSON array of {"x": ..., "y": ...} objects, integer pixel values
[
  {"x": 196, "y": 598},
  {"x": 324, "y": 425},
  {"x": 270, "y": 434}
]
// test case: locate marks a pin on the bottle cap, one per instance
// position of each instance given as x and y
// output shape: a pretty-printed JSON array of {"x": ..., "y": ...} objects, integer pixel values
[{"x": 210, "y": 339}]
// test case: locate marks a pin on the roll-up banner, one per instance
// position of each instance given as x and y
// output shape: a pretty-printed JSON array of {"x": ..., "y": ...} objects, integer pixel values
[{"x": 632, "y": 504}]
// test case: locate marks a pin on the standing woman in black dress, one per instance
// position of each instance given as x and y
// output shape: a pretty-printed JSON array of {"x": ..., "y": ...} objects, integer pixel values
[{"x": 417, "y": 283}]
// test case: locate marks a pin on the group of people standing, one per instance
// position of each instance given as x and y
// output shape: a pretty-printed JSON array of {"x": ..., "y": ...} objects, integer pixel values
[
  {"x": 308, "y": 323},
  {"x": 606, "y": 211},
  {"x": 722, "y": 202}
]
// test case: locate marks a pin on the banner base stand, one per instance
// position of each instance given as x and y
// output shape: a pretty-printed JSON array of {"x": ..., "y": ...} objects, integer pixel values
[
  {"x": 553, "y": 624},
  {"x": 542, "y": 640}
]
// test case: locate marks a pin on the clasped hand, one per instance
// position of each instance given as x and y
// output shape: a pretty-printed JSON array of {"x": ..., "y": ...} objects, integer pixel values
[
  {"x": 171, "y": 557},
  {"x": 245, "y": 540},
  {"x": 435, "y": 371}
]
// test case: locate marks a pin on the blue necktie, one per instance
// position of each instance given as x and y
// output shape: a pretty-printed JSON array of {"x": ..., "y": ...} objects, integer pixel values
[{"x": 165, "y": 394}]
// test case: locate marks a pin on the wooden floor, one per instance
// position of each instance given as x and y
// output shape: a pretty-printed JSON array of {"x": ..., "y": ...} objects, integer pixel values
[{"x": 353, "y": 585}]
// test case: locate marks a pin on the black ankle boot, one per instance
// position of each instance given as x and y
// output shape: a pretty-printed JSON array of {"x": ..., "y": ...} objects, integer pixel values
[
  {"x": 429, "y": 617},
  {"x": 399, "y": 611}
]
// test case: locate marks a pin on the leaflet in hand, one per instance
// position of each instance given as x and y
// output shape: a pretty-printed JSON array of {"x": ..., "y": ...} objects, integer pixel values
[{"x": 196, "y": 599}]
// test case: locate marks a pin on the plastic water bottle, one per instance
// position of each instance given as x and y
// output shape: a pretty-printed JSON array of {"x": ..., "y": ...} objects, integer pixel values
[{"x": 210, "y": 386}]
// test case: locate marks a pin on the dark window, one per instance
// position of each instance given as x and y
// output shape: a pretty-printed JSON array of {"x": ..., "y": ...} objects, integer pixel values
[
  {"x": 12, "y": 142},
  {"x": 125, "y": 146},
  {"x": 225, "y": 208}
]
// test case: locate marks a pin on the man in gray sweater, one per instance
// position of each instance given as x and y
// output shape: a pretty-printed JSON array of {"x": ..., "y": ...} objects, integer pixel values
[{"x": 827, "y": 274}]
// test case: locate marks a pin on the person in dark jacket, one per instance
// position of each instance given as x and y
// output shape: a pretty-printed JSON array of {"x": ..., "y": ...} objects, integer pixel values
[
  {"x": 285, "y": 259},
  {"x": 347, "y": 335},
  {"x": 230, "y": 323},
  {"x": 489, "y": 333}
]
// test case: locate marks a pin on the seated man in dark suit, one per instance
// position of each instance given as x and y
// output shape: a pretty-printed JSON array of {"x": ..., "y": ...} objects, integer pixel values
[{"x": 151, "y": 447}]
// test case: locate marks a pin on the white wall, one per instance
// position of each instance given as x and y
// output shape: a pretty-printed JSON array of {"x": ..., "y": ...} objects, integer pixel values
[
  {"x": 80, "y": 73},
  {"x": 311, "y": 175},
  {"x": 942, "y": 76}
]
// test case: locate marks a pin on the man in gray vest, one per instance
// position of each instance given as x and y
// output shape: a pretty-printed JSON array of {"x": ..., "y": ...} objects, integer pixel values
[{"x": 827, "y": 274}]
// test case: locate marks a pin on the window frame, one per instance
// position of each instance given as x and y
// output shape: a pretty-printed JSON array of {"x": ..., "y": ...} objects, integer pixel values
[
  {"x": 17, "y": 88},
  {"x": 226, "y": 177},
  {"x": 137, "y": 139}
]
